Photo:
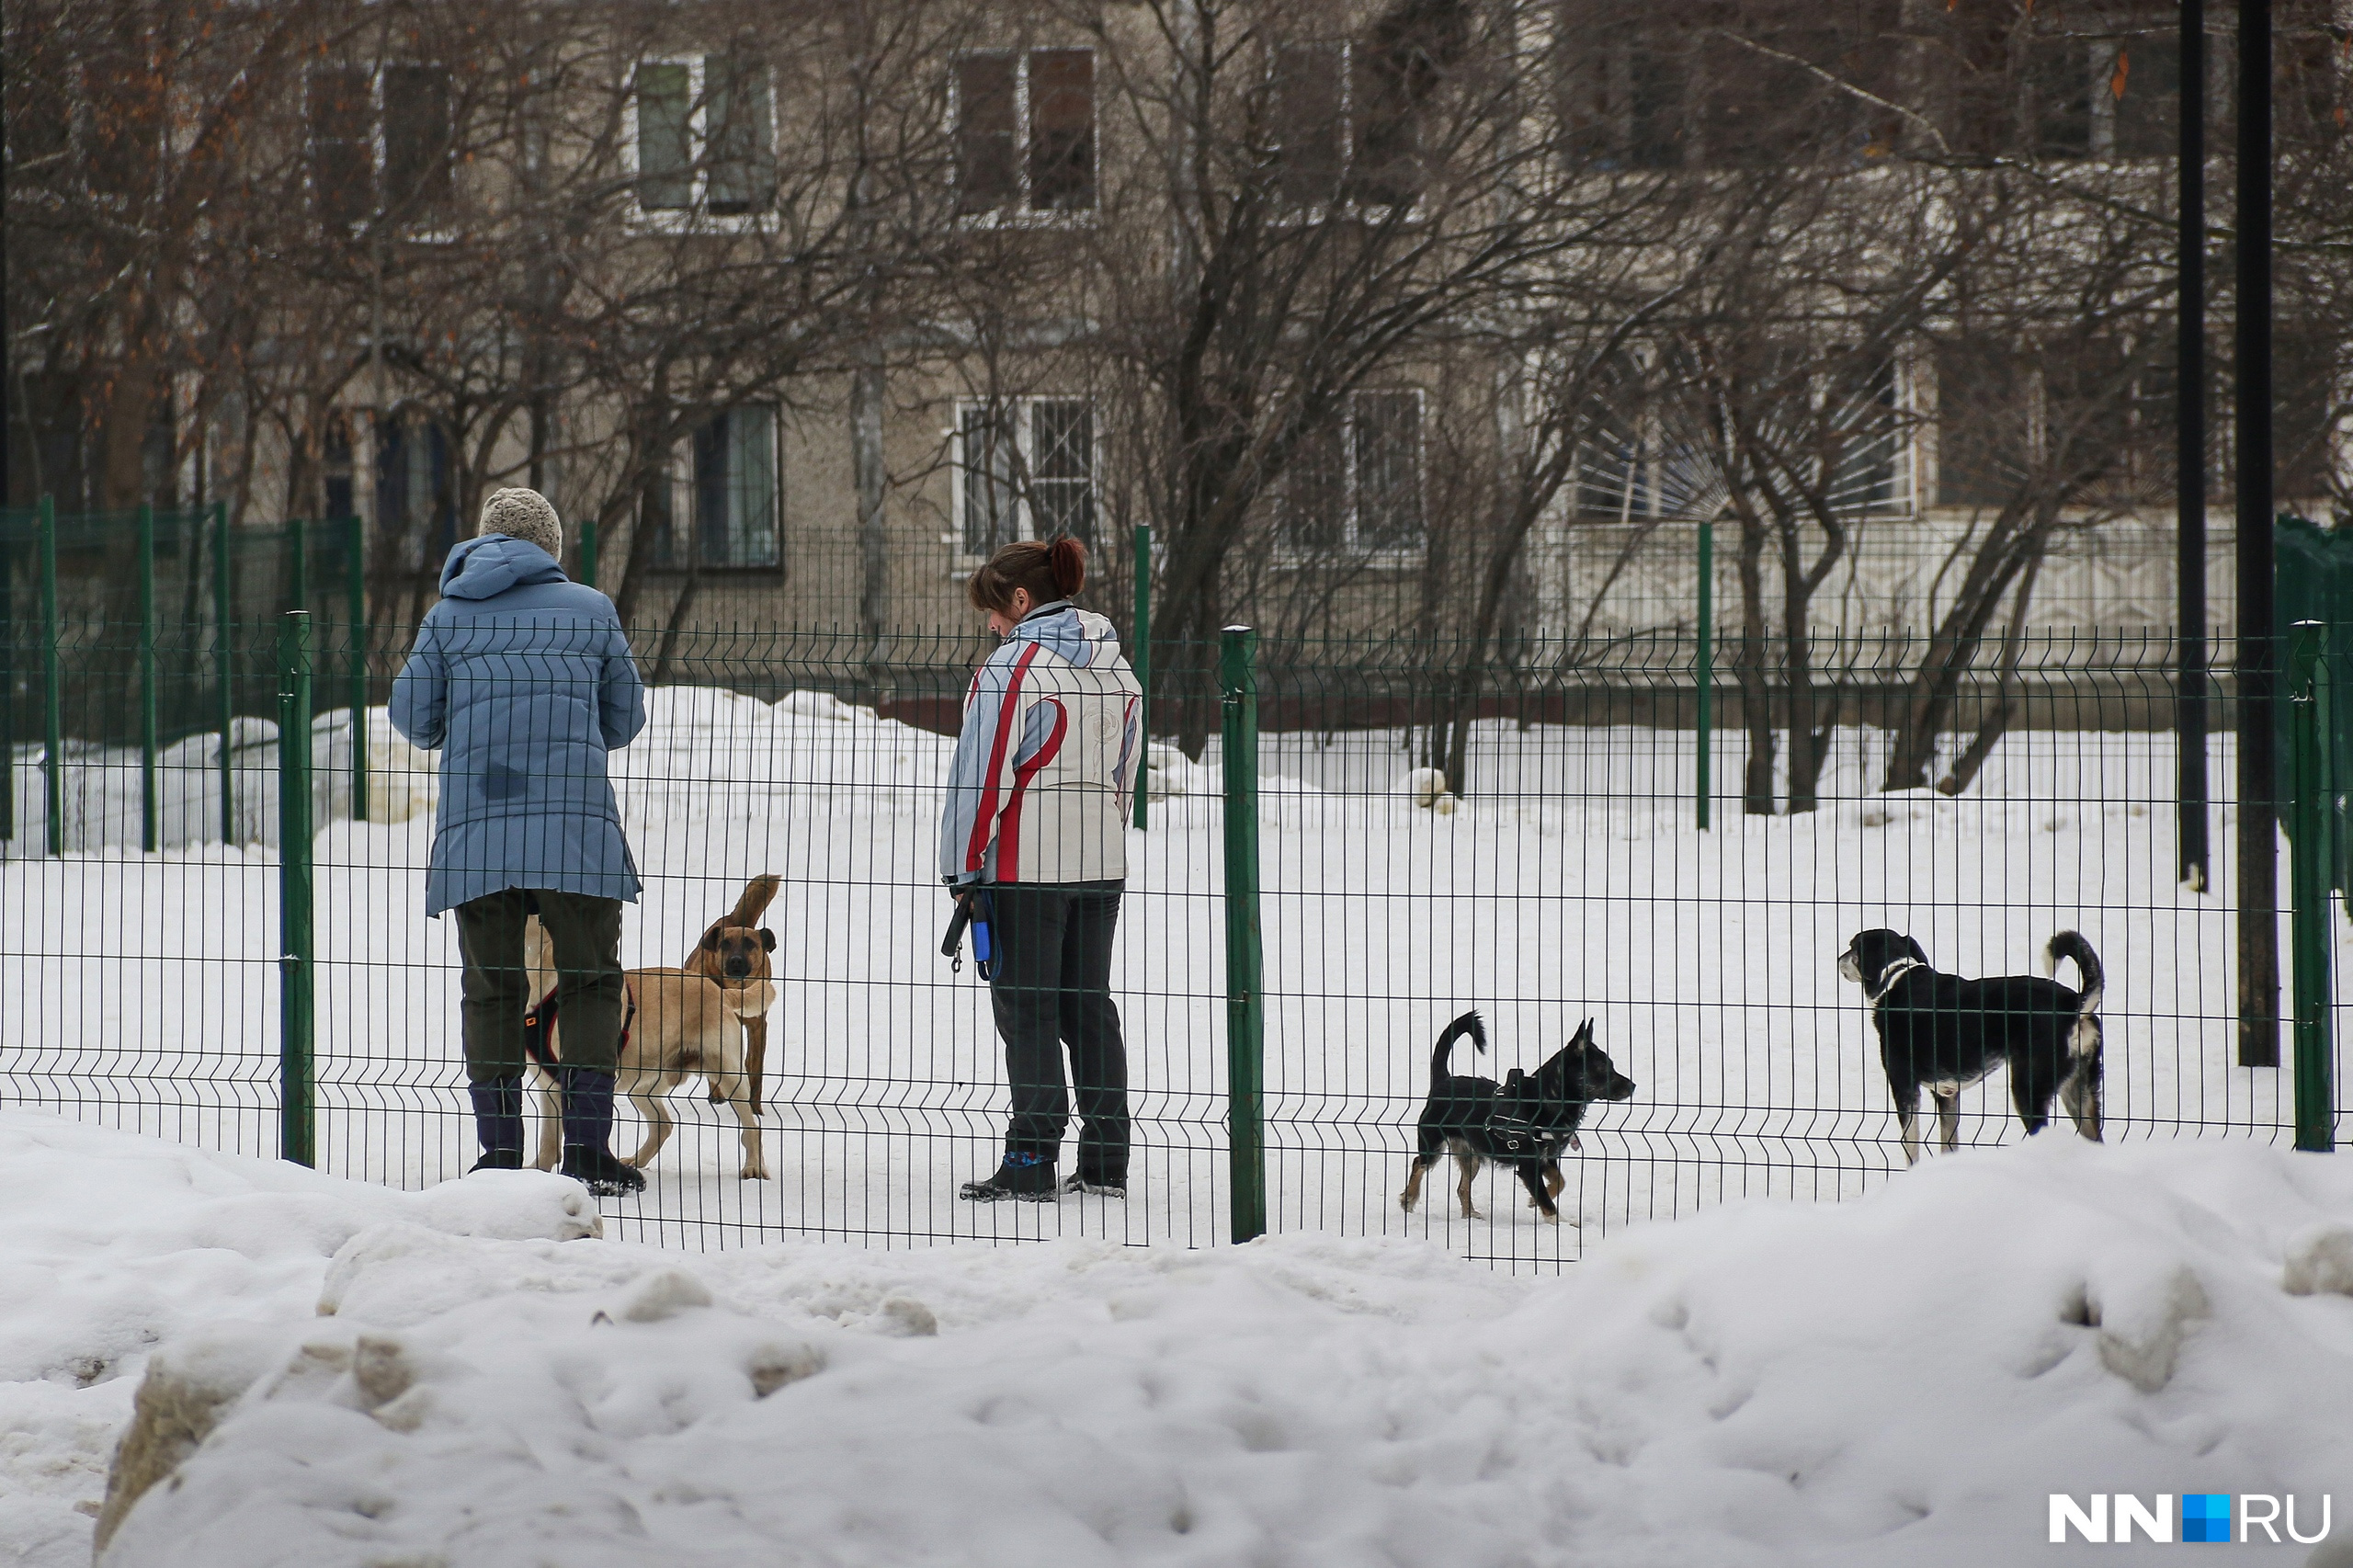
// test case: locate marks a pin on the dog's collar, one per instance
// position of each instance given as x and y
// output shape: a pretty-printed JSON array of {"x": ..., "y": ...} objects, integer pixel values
[{"x": 1894, "y": 973}]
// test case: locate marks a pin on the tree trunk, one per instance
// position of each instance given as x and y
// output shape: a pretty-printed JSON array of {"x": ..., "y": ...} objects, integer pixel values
[
  {"x": 1809, "y": 736},
  {"x": 1756, "y": 691},
  {"x": 1996, "y": 723},
  {"x": 1930, "y": 696},
  {"x": 866, "y": 394}
]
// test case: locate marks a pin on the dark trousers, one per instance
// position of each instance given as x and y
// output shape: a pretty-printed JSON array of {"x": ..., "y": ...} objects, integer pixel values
[
  {"x": 587, "y": 932},
  {"x": 1053, "y": 990}
]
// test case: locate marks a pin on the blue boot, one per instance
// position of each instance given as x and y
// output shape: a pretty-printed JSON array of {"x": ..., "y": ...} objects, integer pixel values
[
  {"x": 589, "y": 1132},
  {"x": 498, "y": 1122}
]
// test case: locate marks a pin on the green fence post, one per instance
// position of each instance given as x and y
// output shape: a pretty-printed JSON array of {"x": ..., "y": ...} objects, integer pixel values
[
  {"x": 356, "y": 584},
  {"x": 1140, "y": 660},
  {"x": 8, "y": 681},
  {"x": 150, "y": 809},
  {"x": 1703, "y": 668},
  {"x": 2308, "y": 867},
  {"x": 224, "y": 665},
  {"x": 297, "y": 1115},
  {"x": 1245, "y": 957},
  {"x": 589, "y": 551},
  {"x": 52, "y": 757}
]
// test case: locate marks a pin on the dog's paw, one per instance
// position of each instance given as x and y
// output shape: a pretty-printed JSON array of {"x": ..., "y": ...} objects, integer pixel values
[
  {"x": 755, "y": 1171},
  {"x": 1551, "y": 1216}
]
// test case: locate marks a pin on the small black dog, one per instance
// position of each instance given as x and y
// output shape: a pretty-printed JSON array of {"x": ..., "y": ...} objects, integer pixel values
[
  {"x": 1525, "y": 1121},
  {"x": 1941, "y": 1033}
]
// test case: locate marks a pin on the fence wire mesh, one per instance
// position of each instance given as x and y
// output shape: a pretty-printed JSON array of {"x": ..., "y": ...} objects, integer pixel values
[{"x": 1523, "y": 840}]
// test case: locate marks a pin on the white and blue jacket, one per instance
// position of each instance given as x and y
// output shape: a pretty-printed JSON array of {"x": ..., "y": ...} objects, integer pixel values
[{"x": 1041, "y": 782}]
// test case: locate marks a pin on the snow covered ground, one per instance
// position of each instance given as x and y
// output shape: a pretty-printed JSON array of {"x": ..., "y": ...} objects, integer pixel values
[
  {"x": 140, "y": 991},
  {"x": 1898, "y": 1382}
]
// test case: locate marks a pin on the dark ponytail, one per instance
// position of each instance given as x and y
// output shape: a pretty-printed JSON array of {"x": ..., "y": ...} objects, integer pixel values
[{"x": 1050, "y": 571}]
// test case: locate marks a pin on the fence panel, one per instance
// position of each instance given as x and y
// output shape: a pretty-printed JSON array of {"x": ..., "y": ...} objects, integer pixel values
[{"x": 1526, "y": 843}]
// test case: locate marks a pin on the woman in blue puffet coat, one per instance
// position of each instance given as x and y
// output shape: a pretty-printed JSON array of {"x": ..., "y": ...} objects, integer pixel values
[{"x": 522, "y": 679}]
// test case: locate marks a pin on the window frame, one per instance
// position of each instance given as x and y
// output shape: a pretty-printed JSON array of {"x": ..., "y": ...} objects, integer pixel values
[
  {"x": 1023, "y": 478},
  {"x": 696, "y": 216},
  {"x": 1022, "y": 214},
  {"x": 1351, "y": 550},
  {"x": 379, "y": 152},
  {"x": 683, "y": 487}
]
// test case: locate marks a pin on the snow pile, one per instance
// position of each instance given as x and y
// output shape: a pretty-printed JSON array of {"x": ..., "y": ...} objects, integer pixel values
[
  {"x": 1897, "y": 1381},
  {"x": 111, "y": 1245},
  {"x": 102, "y": 787}
]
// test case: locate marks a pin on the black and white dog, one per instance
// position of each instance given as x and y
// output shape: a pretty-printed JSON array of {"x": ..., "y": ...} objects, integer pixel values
[
  {"x": 1525, "y": 1121},
  {"x": 1941, "y": 1033}
]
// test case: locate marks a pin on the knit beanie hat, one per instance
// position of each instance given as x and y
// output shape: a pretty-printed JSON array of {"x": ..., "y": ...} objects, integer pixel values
[{"x": 525, "y": 515}]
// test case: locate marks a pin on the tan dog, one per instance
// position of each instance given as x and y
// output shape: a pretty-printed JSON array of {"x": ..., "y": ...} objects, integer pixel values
[
  {"x": 735, "y": 953},
  {"x": 679, "y": 1024}
]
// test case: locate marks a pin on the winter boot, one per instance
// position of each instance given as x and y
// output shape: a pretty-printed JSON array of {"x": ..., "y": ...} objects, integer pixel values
[
  {"x": 1101, "y": 1184},
  {"x": 498, "y": 1122},
  {"x": 1026, "y": 1177},
  {"x": 588, "y": 1135}
]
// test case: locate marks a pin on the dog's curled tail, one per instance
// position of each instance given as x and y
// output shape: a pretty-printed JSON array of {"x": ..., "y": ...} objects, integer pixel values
[
  {"x": 759, "y": 894},
  {"x": 2084, "y": 1039},
  {"x": 1468, "y": 1024}
]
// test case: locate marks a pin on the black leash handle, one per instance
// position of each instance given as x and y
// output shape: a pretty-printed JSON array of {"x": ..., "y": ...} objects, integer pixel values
[{"x": 951, "y": 946}]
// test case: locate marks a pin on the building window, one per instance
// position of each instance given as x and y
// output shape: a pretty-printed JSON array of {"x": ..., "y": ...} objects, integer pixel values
[
  {"x": 703, "y": 136},
  {"x": 1026, "y": 470},
  {"x": 1355, "y": 486},
  {"x": 716, "y": 506},
  {"x": 1025, "y": 131},
  {"x": 2059, "y": 97},
  {"x": 413, "y": 493},
  {"x": 382, "y": 142},
  {"x": 2138, "y": 103},
  {"x": 1344, "y": 128}
]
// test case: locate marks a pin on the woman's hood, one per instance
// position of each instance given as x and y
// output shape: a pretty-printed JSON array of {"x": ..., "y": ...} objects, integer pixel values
[{"x": 489, "y": 565}]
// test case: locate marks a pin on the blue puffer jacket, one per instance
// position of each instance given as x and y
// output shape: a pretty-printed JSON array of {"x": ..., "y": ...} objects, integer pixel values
[{"x": 523, "y": 680}]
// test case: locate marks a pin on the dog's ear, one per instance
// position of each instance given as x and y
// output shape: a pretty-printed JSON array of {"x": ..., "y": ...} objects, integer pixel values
[
  {"x": 768, "y": 939},
  {"x": 1918, "y": 952},
  {"x": 711, "y": 938}
]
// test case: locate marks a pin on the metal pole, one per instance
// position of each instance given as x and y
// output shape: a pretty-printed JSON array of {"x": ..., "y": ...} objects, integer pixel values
[
  {"x": 2307, "y": 870},
  {"x": 1244, "y": 1005},
  {"x": 589, "y": 551},
  {"x": 1140, "y": 660},
  {"x": 2189, "y": 462},
  {"x": 150, "y": 808},
  {"x": 2258, "y": 661},
  {"x": 1704, "y": 666},
  {"x": 297, "y": 1019},
  {"x": 7, "y": 679},
  {"x": 356, "y": 584},
  {"x": 224, "y": 668},
  {"x": 52, "y": 758}
]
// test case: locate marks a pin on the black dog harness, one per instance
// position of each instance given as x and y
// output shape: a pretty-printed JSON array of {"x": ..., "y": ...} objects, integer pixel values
[{"x": 539, "y": 1028}]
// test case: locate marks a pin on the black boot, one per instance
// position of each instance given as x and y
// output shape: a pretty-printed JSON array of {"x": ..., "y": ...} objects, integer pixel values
[
  {"x": 588, "y": 1135},
  {"x": 498, "y": 1122},
  {"x": 1103, "y": 1183},
  {"x": 1028, "y": 1177}
]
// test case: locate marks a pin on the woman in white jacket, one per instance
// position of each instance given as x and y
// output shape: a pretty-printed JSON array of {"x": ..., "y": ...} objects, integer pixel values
[{"x": 1034, "y": 832}]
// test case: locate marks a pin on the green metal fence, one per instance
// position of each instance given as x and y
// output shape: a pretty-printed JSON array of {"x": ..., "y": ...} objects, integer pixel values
[
  {"x": 144, "y": 629},
  {"x": 1310, "y": 905}
]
